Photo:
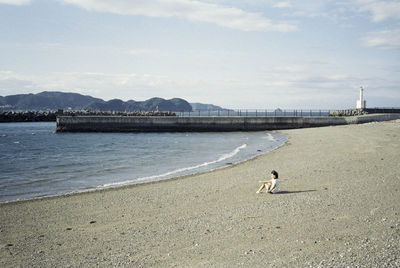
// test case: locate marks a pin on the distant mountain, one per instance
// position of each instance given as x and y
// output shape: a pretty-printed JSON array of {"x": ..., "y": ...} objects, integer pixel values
[
  {"x": 60, "y": 100},
  {"x": 207, "y": 107},
  {"x": 153, "y": 104},
  {"x": 46, "y": 101}
]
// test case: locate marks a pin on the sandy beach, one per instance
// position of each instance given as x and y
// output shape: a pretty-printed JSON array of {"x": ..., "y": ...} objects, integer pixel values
[{"x": 338, "y": 206}]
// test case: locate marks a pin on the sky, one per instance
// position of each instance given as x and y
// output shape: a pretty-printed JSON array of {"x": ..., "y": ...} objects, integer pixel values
[{"x": 254, "y": 54}]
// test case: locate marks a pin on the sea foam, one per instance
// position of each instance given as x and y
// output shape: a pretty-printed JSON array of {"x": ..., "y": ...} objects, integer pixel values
[{"x": 177, "y": 171}]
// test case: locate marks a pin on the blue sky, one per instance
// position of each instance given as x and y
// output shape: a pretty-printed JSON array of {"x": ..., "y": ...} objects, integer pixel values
[{"x": 237, "y": 54}]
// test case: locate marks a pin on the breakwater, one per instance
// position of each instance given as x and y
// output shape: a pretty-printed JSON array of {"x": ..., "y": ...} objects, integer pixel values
[
  {"x": 201, "y": 124},
  {"x": 27, "y": 116},
  {"x": 364, "y": 111},
  {"x": 50, "y": 116}
]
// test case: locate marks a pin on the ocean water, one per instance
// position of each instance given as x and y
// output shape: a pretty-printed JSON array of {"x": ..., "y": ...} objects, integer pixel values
[{"x": 35, "y": 161}]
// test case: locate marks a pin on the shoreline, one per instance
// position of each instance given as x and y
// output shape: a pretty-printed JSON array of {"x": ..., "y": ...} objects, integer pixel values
[
  {"x": 110, "y": 188},
  {"x": 326, "y": 213}
]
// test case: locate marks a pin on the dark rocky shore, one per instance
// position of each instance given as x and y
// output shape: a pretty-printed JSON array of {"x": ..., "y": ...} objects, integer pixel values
[{"x": 50, "y": 116}]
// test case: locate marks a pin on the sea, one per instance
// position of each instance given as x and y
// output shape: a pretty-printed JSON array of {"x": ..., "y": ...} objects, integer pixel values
[{"x": 36, "y": 162}]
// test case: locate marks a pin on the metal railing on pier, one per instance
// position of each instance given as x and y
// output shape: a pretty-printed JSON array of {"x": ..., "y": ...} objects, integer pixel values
[{"x": 255, "y": 113}]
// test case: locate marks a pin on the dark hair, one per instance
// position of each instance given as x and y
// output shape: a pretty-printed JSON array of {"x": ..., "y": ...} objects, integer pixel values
[{"x": 273, "y": 172}]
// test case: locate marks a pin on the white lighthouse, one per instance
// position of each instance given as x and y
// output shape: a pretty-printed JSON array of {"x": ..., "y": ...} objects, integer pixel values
[{"x": 361, "y": 103}]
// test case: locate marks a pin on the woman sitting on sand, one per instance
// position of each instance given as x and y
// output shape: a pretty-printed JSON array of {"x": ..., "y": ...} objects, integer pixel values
[{"x": 271, "y": 185}]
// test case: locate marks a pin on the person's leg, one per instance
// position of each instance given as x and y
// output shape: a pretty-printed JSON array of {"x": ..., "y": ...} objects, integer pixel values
[
  {"x": 262, "y": 187},
  {"x": 269, "y": 187}
]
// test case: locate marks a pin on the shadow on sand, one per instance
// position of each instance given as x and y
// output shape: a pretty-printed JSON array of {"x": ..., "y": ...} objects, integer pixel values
[{"x": 295, "y": 192}]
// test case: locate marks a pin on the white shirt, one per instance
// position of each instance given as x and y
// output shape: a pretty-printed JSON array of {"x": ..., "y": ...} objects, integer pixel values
[{"x": 276, "y": 183}]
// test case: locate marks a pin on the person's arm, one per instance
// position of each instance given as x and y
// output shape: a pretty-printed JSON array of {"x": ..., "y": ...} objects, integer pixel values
[{"x": 266, "y": 182}]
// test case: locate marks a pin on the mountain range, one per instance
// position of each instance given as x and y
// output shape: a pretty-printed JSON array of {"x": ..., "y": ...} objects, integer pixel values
[{"x": 73, "y": 101}]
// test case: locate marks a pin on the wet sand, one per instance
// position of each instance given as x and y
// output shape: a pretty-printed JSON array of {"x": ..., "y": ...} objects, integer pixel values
[{"x": 338, "y": 206}]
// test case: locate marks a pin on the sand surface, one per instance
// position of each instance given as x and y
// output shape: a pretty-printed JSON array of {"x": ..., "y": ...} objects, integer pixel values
[{"x": 339, "y": 205}]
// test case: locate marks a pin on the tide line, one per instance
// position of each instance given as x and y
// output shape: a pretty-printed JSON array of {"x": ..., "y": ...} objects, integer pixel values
[{"x": 167, "y": 174}]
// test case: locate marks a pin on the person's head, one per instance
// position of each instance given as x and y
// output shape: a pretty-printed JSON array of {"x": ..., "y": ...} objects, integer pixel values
[{"x": 274, "y": 174}]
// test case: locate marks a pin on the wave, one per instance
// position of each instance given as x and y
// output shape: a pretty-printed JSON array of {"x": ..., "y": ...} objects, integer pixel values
[
  {"x": 269, "y": 137},
  {"x": 180, "y": 170}
]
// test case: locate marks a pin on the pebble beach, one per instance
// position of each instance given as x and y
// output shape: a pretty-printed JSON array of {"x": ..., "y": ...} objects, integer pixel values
[{"x": 338, "y": 206}]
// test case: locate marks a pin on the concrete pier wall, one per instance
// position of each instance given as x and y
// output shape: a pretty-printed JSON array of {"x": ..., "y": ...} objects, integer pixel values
[{"x": 177, "y": 124}]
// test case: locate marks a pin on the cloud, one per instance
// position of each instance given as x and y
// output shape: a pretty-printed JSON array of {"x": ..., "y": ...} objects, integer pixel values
[
  {"x": 126, "y": 85},
  {"x": 309, "y": 79},
  {"x": 388, "y": 39},
  {"x": 321, "y": 85},
  {"x": 192, "y": 10},
  {"x": 282, "y": 5},
  {"x": 15, "y": 2},
  {"x": 104, "y": 85},
  {"x": 290, "y": 68},
  {"x": 140, "y": 52},
  {"x": 13, "y": 83},
  {"x": 381, "y": 10},
  {"x": 338, "y": 12},
  {"x": 292, "y": 86},
  {"x": 311, "y": 82}
]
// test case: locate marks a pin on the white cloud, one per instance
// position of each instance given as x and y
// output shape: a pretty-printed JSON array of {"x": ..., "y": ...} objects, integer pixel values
[
  {"x": 316, "y": 82},
  {"x": 15, "y": 2},
  {"x": 282, "y": 5},
  {"x": 321, "y": 85},
  {"x": 381, "y": 10},
  {"x": 104, "y": 85},
  {"x": 192, "y": 10},
  {"x": 388, "y": 39},
  {"x": 13, "y": 83},
  {"x": 340, "y": 12},
  {"x": 290, "y": 68},
  {"x": 151, "y": 52},
  {"x": 299, "y": 87}
]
